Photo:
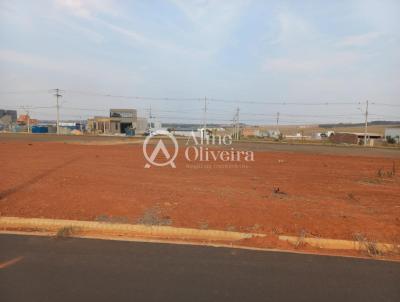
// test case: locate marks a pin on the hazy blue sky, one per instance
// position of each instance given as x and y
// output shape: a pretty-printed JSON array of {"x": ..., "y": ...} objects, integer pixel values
[{"x": 267, "y": 51}]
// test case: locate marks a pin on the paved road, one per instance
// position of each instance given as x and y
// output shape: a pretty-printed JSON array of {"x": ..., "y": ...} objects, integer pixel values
[{"x": 95, "y": 270}]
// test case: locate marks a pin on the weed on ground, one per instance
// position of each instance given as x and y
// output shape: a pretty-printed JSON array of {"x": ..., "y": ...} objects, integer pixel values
[
  {"x": 154, "y": 216},
  {"x": 65, "y": 232}
]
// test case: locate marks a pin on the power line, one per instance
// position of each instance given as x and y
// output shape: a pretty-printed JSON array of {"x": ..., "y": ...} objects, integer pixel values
[
  {"x": 287, "y": 115},
  {"x": 217, "y": 100},
  {"x": 212, "y": 115},
  {"x": 134, "y": 96},
  {"x": 220, "y": 100},
  {"x": 388, "y": 105},
  {"x": 281, "y": 103},
  {"x": 24, "y": 91},
  {"x": 246, "y": 114}
]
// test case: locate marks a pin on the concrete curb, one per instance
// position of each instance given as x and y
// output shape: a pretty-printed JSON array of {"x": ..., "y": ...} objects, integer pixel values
[
  {"x": 337, "y": 244},
  {"x": 117, "y": 229}
]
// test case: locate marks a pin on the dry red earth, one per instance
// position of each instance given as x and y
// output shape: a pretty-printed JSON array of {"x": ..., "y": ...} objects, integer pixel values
[{"x": 331, "y": 196}]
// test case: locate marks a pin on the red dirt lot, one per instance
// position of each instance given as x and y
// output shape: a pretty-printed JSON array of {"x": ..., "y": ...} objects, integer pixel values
[{"x": 331, "y": 196}]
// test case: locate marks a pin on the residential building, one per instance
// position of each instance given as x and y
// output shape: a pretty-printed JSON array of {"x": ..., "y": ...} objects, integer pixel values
[
  {"x": 8, "y": 115},
  {"x": 123, "y": 119},
  {"x": 120, "y": 121}
]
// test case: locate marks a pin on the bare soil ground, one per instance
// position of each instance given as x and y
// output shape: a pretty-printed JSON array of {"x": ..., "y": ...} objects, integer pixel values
[{"x": 329, "y": 194}]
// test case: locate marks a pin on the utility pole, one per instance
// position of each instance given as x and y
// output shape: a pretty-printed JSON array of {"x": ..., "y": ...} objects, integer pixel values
[
  {"x": 277, "y": 122},
  {"x": 366, "y": 125},
  {"x": 58, "y": 95},
  {"x": 27, "y": 113},
  {"x": 234, "y": 127},
  {"x": 237, "y": 124},
  {"x": 29, "y": 120},
  {"x": 150, "y": 118},
  {"x": 205, "y": 118}
]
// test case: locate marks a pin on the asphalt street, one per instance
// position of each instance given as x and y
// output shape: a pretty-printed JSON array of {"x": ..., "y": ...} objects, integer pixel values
[{"x": 47, "y": 269}]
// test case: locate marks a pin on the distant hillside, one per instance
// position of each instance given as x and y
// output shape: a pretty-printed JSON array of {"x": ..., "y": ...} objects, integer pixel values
[{"x": 373, "y": 123}]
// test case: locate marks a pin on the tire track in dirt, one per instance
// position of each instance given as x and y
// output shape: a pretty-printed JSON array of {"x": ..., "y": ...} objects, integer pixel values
[{"x": 35, "y": 179}]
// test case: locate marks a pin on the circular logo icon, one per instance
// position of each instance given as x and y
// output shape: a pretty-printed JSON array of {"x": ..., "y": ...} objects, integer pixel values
[{"x": 160, "y": 147}]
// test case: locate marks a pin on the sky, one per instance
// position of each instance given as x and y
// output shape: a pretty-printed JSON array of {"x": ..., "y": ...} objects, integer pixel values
[{"x": 297, "y": 58}]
